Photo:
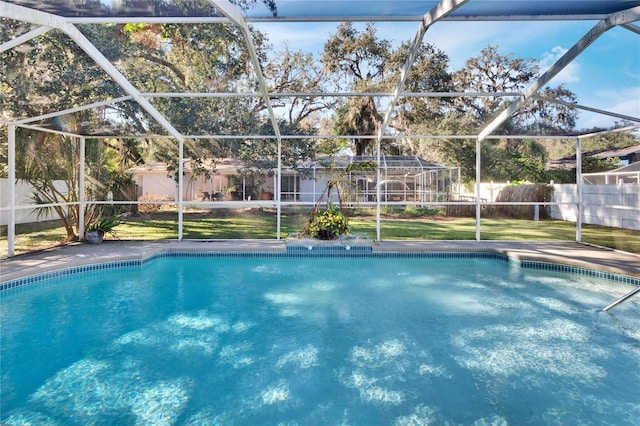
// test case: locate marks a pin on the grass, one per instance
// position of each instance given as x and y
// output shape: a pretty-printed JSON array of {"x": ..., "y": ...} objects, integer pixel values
[{"x": 261, "y": 224}]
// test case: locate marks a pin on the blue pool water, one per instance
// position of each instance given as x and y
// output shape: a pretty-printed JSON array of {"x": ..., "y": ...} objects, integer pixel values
[{"x": 292, "y": 341}]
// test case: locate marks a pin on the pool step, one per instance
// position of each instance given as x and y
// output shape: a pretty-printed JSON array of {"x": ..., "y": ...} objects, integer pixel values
[{"x": 329, "y": 250}]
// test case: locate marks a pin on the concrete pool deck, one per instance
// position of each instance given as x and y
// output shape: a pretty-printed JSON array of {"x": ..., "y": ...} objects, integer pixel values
[{"x": 80, "y": 254}]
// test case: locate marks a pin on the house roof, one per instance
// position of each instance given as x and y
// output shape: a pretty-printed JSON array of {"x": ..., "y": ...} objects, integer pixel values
[
  {"x": 223, "y": 165},
  {"x": 570, "y": 161},
  {"x": 617, "y": 152},
  {"x": 635, "y": 167},
  {"x": 404, "y": 162}
]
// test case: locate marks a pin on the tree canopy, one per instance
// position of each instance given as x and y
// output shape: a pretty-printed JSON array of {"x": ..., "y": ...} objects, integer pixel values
[{"x": 51, "y": 73}]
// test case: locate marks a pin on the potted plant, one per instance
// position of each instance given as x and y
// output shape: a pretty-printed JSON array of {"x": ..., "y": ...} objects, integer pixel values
[
  {"x": 332, "y": 222},
  {"x": 329, "y": 224},
  {"x": 97, "y": 229}
]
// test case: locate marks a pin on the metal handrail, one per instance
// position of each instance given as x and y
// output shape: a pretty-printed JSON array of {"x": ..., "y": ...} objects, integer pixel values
[{"x": 622, "y": 299}]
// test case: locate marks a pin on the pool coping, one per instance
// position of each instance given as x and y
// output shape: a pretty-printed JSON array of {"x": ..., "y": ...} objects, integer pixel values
[{"x": 58, "y": 261}]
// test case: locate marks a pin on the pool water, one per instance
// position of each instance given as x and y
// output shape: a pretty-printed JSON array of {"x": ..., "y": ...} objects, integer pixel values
[{"x": 293, "y": 341}]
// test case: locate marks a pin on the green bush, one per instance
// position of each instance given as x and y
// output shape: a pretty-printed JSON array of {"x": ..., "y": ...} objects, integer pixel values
[
  {"x": 329, "y": 224},
  {"x": 105, "y": 225}
]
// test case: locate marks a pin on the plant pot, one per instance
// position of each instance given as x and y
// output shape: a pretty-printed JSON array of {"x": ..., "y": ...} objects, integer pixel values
[
  {"x": 95, "y": 237},
  {"x": 326, "y": 234}
]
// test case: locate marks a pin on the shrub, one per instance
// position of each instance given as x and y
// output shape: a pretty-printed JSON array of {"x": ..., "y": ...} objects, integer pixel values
[
  {"x": 105, "y": 225},
  {"x": 329, "y": 224}
]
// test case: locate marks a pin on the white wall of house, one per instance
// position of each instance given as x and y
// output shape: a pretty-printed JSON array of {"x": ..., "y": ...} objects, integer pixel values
[
  {"x": 153, "y": 184},
  {"x": 156, "y": 184},
  {"x": 23, "y": 198},
  {"x": 197, "y": 188},
  {"x": 608, "y": 205},
  {"x": 307, "y": 189},
  {"x": 311, "y": 189}
]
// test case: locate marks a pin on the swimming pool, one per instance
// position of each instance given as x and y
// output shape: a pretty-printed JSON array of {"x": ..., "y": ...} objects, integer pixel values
[{"x": 293, "y": 340}]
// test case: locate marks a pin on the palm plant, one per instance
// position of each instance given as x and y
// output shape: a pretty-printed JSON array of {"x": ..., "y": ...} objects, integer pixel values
[
  {"x": 333, "y": 221},
  {"x": 105, "y": 225}
]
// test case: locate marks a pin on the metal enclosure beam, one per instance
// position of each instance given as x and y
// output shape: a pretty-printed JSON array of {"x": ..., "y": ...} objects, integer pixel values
[
  {"x": 231, "y": 12},
  {"x": 81, "y": 186},
  {"x": 73, "y": 110},
  {"x": 53, "y": 21},
  {"x": 120, "y": 79},
  {"x": 632, "y": 27},
  {"x": 444, "y": 8},
  {"x": 32, "y": 16},
  {"x": 478, "y": 187},
  {"x": 11, "y": 165},
  {"x": 46, "y": 19},
  {"x": 23, "y": 38},
  {"x": 579, "y": 189},
  {"x": 600, "y": 28},
  {"x": 441, "y": 10},
  {"x": 586, "y": 108}
]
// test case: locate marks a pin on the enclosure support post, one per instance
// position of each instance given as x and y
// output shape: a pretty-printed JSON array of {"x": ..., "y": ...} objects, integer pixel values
[
  {"x": 11, "y": 165},
  {"x": 180, "y": 186},
  {"x": 478, "y": 177},
  {"x": 278, "y": 190},
  {"x": 81, "y": 183},
  {"x": 441, "y": 10},
  {"x": 233, "y": 13},
  {"x": 378, "y": 191},
  {"x": 580, "y": 205}
]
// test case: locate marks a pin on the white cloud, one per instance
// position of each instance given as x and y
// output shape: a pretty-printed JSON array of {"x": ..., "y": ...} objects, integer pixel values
[
  {"x": 622, "y": 100},
  {"x": 570, "y": 73},
  {"x": 464, "y": 40},
  {"x": 632, "y": 73}
]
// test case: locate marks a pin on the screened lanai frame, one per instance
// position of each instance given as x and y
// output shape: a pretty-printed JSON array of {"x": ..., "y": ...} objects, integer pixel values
[{"x": 65, "y": 15}]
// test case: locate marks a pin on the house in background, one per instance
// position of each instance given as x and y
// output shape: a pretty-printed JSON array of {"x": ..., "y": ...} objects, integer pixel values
[
  {"x": 629, "y": 160},
  {"x": 627, "y": 174},
  {"x": 625, "y": 156},
  {"x": 403, "y": 179},
  {"x": 224, "y": 182}
]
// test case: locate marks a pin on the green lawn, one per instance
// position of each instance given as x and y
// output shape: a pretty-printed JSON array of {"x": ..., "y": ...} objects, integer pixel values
[{"x": 250, "y": 224}]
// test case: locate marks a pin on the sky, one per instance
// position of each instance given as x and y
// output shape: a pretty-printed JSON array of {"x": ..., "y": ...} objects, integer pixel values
[{"x": 605, "y": 76}]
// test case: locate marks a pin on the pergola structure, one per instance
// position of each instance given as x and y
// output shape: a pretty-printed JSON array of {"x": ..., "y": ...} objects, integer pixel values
[{"x": 67, "y": 15}]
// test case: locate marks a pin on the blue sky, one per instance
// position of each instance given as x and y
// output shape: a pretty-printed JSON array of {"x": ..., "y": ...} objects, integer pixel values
[{"x": 606, "y": 75}]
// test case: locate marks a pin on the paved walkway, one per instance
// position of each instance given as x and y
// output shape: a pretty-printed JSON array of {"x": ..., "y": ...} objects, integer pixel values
[{"x": 79, "y": 254}]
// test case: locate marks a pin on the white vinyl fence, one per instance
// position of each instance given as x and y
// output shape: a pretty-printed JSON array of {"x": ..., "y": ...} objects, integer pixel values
[
  {"x": 608, "y": 205},
  {"x": 23, "y": 198}
]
